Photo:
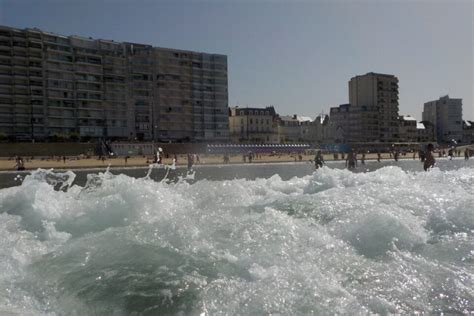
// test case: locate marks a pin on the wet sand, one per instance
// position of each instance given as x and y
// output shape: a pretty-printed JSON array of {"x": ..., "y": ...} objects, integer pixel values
[{"x": 140, "y": 161}]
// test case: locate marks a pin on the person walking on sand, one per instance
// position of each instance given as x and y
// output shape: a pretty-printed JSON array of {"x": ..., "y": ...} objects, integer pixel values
[
  {"x": 190, "y": 161},
  {"x": 429, "y": 159},
  {"x": 318, "y": 160},
  {"x": 450, "y": 154},
  {"x": 351, "y": 161},
  {"x": 421, "y": 154}
]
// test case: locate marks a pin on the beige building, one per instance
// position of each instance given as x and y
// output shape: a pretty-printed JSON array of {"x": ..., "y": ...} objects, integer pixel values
[
  {"x": 378, "y": 91},
  {"x": 253, "y": 125},
  {"x": 296, "y": 129},
  {"x": 74, "y": 86}
]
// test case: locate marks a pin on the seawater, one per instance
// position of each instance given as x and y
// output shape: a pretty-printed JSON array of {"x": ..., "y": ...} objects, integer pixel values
[{"x": 333, "y": 241}]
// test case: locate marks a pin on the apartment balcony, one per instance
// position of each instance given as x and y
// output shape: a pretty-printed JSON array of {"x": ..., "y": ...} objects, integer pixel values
[
  {"x": 90, "y": 109},
  {"x": 5, "y": 45},
  {"x": 37, "y": 46},
  {"x": 96, "y": 72},
  {"x": 88, "y": 63},
  {"x": 35, "y": 57},
  {"x": 23, "y": 85},
  {"x": 55, "y": 42},
  {"x": 21, "y": 48},
  {"x": 88, "y": 54},
  {"x": 35, "y": 65}
]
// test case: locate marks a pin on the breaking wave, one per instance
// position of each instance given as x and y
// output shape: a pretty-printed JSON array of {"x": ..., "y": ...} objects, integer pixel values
[{"x": 387, "y": 241}]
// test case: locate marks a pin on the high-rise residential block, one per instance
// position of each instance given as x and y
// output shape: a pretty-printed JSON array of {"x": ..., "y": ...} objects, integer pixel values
[
  {"x": 446, "y": 116},
  {"x": 375, "y": 90},
  {"x": 72, "y": 86}
]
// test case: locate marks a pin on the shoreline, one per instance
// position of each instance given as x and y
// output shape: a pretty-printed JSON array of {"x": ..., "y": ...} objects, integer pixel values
[{"x": 8, "y": 166}]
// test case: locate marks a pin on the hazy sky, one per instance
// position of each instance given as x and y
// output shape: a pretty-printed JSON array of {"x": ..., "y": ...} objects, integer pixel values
[{"x": 295, "y": 55}]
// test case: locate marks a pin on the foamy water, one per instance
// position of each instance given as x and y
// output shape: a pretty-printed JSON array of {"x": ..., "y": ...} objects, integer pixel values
[{"x": 387, "y": 241}]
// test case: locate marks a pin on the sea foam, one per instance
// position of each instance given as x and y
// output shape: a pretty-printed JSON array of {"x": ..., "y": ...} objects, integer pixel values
[{"x": 387, "y": 241}]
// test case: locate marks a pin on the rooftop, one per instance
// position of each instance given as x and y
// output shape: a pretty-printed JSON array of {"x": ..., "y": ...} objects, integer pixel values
[{"x": 408, "y": 118}]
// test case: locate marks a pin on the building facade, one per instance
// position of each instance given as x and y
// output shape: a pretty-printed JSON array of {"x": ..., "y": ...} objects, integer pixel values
[
  {"x": 468, "y": 132},
  {"x": 425, "y": 132},
  {"x": 296, "y": 129},
  {"x": 408, "y": 129},
  {"x": 322, "y": 124},
  {"x": 253, "y": 125},
  {"x": 378, "y": 92},
  {"x": 353, "y": 124},
  {"x": 81, "y": 87},
  {"x": 446, "y": 116}
]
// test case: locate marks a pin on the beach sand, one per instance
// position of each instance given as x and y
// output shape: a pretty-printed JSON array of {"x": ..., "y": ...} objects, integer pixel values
[{"x": 95, "y": 162}]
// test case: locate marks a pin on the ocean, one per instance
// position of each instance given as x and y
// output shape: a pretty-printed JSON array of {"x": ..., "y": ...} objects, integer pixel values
[{"x": 269, "y": 239}]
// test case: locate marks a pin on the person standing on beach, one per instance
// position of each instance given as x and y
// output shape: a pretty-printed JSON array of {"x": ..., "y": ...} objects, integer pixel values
[
  {"x": 466, "y": 154},
  {"x": 362, "y": 160},
  {"x": 450, "y": 154},
  {"x": 351, "y": 161},
  {"x": 429, "y": 159},
  {"x": 318, "y": 160},
  {"x": 379, "y": 156},
  {"x": 421, "y": 154},
  {"x": 190, "y": 161}
]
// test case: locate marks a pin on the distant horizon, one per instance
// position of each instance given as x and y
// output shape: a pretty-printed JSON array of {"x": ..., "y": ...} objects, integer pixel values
[{"x": 297, "y": 57}]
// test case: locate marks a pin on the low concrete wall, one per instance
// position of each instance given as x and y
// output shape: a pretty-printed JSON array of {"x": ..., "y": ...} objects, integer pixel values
[
  {"x": 134, "y": 149},
  {"x": 46, "y": 149}
]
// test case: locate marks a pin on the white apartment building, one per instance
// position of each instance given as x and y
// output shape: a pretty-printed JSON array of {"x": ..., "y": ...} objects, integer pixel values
[
  {"x": 52, "y": 84},
  {"x": 446, "y": 116}
]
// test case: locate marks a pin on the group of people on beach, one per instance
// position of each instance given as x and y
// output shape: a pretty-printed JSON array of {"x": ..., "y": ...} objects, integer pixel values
[{"x": 426, "y": 157}]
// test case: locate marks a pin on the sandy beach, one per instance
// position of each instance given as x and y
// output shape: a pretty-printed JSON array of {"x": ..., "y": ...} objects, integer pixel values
[{"x": 95, "y": 162}]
